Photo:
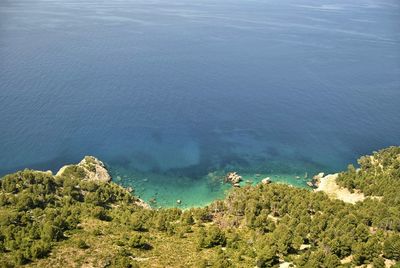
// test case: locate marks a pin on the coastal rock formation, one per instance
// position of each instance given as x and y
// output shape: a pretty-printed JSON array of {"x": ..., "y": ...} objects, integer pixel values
[
  {"x": 96, "y": 170},
  {"x": 90, "y": 168},
  {"x": 316, "y": 180},
  {"x": 234, "y": 178},
  {"x": 266, "y": 180},
  {"x": 139, "y": 202}
]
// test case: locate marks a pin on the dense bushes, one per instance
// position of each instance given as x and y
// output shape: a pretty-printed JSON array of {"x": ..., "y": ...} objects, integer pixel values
[
  {"x": 211, "y": 238},
  {"x": 391, "y": 247},
  {"x": 253, "y": 226},
  {"x": 139, "y": 241},
  {"x": 37, "y": 209}
]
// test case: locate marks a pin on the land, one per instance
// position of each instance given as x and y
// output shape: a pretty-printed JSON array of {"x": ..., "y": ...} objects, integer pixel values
[
  {"x": 79, "y": 218},
  {"x": 329, "y": 186}
]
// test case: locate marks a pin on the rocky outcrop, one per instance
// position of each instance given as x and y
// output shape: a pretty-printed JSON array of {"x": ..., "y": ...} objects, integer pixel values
[
  {"x": 90, "y": 168},
  {"x": 266, "y": 180},
  {"x": 95, "y": 169},
  {"x": 316, "y": 180},
  {"x": 233, "y": 178},
  {"x": 139, "y": 202}
]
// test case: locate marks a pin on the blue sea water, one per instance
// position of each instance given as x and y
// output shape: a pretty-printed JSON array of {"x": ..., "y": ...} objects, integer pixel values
[{"x": 173, "y": 94}]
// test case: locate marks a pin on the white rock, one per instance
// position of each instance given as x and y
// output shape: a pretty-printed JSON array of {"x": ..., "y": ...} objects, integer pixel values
[{"x": 266, "y": 180}]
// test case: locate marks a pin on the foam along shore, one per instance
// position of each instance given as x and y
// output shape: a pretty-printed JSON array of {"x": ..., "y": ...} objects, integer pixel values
[{"x": 329, "y": 186}]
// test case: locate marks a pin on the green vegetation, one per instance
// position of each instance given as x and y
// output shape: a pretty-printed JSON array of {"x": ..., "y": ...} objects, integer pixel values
[{"x": 49, "y": 221}]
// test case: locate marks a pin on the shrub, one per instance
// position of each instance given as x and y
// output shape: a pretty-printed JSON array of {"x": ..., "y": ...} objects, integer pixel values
[
  {"x": 138, "y": 241},
  {"x": 82, "y": 244}
]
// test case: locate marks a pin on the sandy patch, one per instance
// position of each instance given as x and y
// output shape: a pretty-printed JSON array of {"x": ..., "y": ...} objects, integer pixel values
[{"x": 329, "y": 186}]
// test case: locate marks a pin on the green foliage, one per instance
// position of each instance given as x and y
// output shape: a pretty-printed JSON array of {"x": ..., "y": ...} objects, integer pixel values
[
  {"x": 139, "y": 241},
  {"x": 366, "y": 252},
  {"x": 378, "y": 176},
  {"x": 82, "y": 244},
  {"x": 378, "y": 262},
  {"x": 100, "y": 213},
  {"x": 391, "y": 247},
  {"x": 123, "y": 262},
  {"x": 267, "y": 257},
  {"x": 40, "y": 249},
  {"x": 213, "y": 237},
  {"x": 187, "y": 218},
  {"x": 252, "y": 226}
]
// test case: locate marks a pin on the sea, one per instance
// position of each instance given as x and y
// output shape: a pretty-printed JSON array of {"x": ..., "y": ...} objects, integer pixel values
[{"x": 174, "y": 94}]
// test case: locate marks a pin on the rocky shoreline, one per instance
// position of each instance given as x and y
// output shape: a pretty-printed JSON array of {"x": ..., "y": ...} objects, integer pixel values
[
  {"x": 93, "y": 169},
  {"x": 234, "y": 178}
]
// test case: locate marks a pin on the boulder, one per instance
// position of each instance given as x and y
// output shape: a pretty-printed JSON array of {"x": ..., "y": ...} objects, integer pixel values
[
  {"x": 233, "y": 178},
  {"x": 139, "y": 202},
  {"x": 319, "y": 176},
  {"x": 317, "y": 179},
  {"x": 266, "y": 180}
]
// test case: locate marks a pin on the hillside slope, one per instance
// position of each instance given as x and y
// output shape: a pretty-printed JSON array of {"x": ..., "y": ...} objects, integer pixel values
[{"x": 70, "y": 220}]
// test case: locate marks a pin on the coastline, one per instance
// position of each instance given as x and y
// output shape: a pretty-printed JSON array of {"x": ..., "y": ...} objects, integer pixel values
[
  {"x": 157, "y": 191},
  {"x": 163, "y": 192},
  {"x": 328, "y": 185}
]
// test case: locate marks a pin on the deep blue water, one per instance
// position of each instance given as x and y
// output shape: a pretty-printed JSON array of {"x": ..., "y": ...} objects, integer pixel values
[{"x": 180, "y": 88}]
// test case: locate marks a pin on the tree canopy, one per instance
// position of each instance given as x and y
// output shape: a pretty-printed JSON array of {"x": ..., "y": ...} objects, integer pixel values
[{"x": 53, "y": 221}]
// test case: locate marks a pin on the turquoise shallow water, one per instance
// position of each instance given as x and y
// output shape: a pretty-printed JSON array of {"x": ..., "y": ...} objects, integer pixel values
[
  {"x": 171, "y": 91},
  {"x": 164, "y": 191},
  {"x": 195, "y": 188}
]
